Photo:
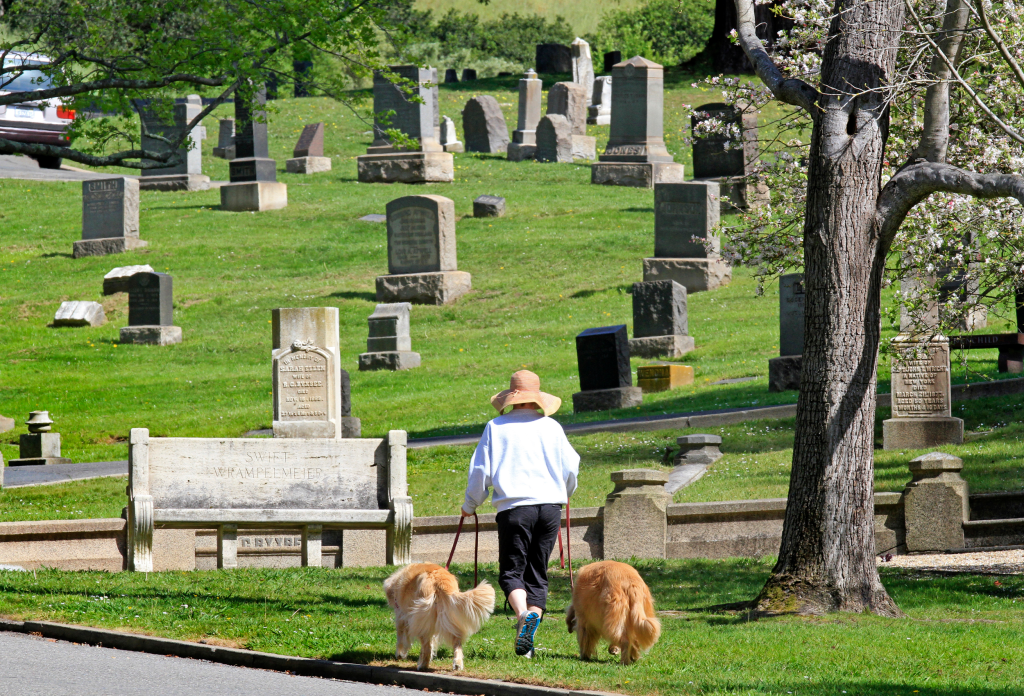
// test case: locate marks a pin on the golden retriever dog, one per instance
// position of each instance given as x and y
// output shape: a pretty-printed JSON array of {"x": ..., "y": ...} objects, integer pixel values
[
  {"x": 429, "y": 608},
  {"x": 610, "y": 600}
]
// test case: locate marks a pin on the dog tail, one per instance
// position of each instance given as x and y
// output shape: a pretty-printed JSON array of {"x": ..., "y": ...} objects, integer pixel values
[
  {"x": 645, "y": 624},
  {"x": 570, "y": 618},
  {"x": 468, "y": 610}
]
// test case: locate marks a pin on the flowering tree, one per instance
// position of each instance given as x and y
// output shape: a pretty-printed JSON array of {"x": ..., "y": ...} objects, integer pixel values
[
  {"x": 915, "y": 112},
  {"x": 97, "y": 57}
]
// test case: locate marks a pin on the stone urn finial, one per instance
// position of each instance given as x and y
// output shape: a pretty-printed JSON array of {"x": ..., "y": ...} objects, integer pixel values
[{"x": 39, "y": 422}]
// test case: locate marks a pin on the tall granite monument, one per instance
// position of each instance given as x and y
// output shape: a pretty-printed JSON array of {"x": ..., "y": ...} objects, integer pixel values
[
  {"x": 110, "y": 217},
  {"x": 426, "y": 161},
  {"x": 686, "y": 245},
  {"x": 254, "y": 186},
  {"x": 188, "y": 174},
  {"x": 636, "y": 154},
  {"x": 422, "y": 265},
  {"x": 524, "y": 137}
]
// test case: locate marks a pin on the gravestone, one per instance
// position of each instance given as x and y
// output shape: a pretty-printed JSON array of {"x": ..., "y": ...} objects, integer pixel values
[
  {"x": 636, "y": 154},
  {"x": 312, "y": 394},
  {"x": 449, "y": 138},
  {"x": 686, "y": 214},
  {"x": 427, "y": 161},
  {"x": 468, "y": 74},
  {"x": 118, "y": 279},
  {"x": 389, "y": 346},
  {"x": 151, "y": 311},
  {"x": 966, "y": 290},
  {"x": 936, "y": 504},
  {"x": 599, "y": 113},
  {"x": 483, "y": 125},
  {"x": 39, "y": 446},
  {"x": 921, "y": 399},
  {"x": 554, "y": 139},
  {"x": 717, "y": 156},
  {"x": 570, "y": 100},
  {"x": 524, "y": 137},
  {"x": 302, "y": 70},
  {"x": 784, "y": 371},
  {"x": 583, "y": 67},
  {"x": 606, "y": 381},
  {"x": 451, "y": 75},
  {"x": 188, "y": 174},
  {"x": 308, "y": 155},
  {"x": 611, "y": 59},
  {"x": 79, "y": 313},
  {"x": 254, "y": 186},
  {"x": 435, "y": 91},
  {"x": 110, "y": 217},
  {"x": 635, "y": 515},
  {"x": 489, "y": 206},
  {"x": 696, "y": 453},
  {"x": 225, "y": 139},
  {"x": 660, "y": 326},
  {"x": 553, "y": 59},
  {"x": 664, "y": 377},
  {"x": 422, "y": 265}
]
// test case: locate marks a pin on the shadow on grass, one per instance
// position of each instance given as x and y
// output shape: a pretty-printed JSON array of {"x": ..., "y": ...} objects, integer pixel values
[
  {"x": 353, "y": 295},
  {"x": 638, "y": 210},
  {"x": 56, "y": 254}
]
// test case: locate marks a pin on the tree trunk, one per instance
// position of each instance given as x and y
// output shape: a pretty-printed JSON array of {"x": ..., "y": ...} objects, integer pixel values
[
  {"x": 726, "y": 56},
  {"x": 827, "y": 558}
]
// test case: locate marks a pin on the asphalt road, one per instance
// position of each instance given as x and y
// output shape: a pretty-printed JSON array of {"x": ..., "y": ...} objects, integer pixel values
[
  {"x": 17, "y": 167},
  {"x": 18, "y": 476},
  {"x": 42, "y": 667}
]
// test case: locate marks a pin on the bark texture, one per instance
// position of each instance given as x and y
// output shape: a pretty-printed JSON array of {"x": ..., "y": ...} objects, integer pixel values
[
  {"x": 827, "y": 558},
  {"x": 723, "y": 54}
]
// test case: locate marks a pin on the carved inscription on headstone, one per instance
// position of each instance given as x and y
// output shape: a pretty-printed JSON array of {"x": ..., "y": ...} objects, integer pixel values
[
  {"x": 150, "y": 300},
  {"x": 414, "y": 241},
  {"x": 791, "y": 314},
  {"x": 920, "y": 380},
  {"x": 302, "y": 384},
  {"x": 109, "y": 208}
]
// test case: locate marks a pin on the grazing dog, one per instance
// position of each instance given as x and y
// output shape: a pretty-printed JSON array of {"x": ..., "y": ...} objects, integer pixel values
[
  {"x": 429, "y": 607},
  {"x": 611, "y": 601}
]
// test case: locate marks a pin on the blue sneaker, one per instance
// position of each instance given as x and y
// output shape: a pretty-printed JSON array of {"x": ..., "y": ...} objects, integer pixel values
[{"x": 527, "y": 629}]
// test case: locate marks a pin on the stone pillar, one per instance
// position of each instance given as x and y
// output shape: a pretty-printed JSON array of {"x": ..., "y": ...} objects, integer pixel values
[
  {"x": 635, "y": 515},
  {"x": 936, "y": 503},
  {"x": 524, "y": 137}
]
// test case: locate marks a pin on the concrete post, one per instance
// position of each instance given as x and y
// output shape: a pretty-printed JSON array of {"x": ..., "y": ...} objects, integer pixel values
[
  {"x": 635, "y": 520},
  {"x": 936, "y": 503}
]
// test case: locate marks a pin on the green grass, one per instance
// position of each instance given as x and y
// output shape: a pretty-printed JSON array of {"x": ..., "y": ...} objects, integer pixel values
[
  {"x": 963, "y": 635},
  {"x": 583, "y": 17}
]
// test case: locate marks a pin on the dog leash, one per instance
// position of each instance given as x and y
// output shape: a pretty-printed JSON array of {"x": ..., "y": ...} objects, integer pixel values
[
  {"x": 568, "y": 544},
  {"x": 476, "y": 546}
]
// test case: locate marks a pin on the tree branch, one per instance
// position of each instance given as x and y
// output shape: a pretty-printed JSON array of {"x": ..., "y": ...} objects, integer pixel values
[
  {"x": 935, "y": 136},
  {"x": 117, "y": 159},
  {"x": 790, "y": 91},
  {"x": 110, "y": 83},
  {"x": 998, "y": 41},
  {"x": 917, "y": 181}
]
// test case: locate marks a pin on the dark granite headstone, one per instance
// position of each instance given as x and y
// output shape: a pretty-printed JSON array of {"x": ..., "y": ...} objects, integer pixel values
[
  {"x": 155, "y": 129},
  {"x": 791, "y": 314},
  {"x": 414, "y": 119},
  {"x": 303, "y": 76},
  {"x": 489, "y": 206},
  {"x": 716, "y": 155},
  {"x": 602, "y": 356},
  {"x": 611, "y": 59},
  {"x": 685, "y": 212},
  {"x": 110, "y": 208},
  {"x": 659, "y": 309},
  {"x": 468, "y": 74},
  {"x": 311, "y": 142},
  {"x": 451, "y": 75},
  {"x": 553, "y": 58},
  {"x": 150, "y": 301},
  {"x": 252, "y": 152}
]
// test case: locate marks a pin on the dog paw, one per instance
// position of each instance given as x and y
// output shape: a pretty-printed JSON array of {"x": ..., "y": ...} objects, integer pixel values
[
  {"x": 458, "y": 666},
  {"x": 613, "y": 650}
]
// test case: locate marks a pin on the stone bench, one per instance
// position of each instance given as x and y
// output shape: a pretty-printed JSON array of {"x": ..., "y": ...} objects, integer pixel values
[{"x": 227, "y": 483}]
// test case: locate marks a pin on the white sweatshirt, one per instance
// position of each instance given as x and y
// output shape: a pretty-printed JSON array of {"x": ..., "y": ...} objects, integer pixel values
[{"x": 527, "y": 459}]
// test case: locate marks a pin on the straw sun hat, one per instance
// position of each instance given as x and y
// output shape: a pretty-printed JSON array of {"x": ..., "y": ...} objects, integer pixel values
[{"x": 524, "y": 388}]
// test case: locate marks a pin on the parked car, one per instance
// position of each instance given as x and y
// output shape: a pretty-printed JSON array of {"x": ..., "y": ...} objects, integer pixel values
[{"x": 42, "y": 121}]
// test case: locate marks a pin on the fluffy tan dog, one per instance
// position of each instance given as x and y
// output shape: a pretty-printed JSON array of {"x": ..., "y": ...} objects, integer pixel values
[
  {"x": 611, "y": 601},
  {"x": 429, "y": 608}
]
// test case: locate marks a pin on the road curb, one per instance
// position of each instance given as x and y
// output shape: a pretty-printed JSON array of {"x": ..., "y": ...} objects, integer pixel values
[{"x": 303, "y": 666}]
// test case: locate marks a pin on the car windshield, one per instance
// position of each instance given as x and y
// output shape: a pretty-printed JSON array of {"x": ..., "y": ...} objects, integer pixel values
[{"x": 27, "y": 81}]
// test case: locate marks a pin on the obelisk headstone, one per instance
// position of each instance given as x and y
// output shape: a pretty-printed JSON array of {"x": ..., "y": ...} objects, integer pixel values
[
  {"x": 110, "y": 217},
  {"x": 636, "y": 153},
  {"x": 254, "y": 186},
  {"x": 524, "y": 137}
]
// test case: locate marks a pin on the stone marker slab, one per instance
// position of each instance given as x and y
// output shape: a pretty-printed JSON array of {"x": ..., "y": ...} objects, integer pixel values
[
  {"x": 451, "y": 76},
  {"x": 583, "y": 66},
  {"x": 118, "y": 279},
  {"x": 225, "y": 139},
  {"x": 421, "y": 235},
  {"x": 483, "y": 125},
  {"x": 921, "y": 399},
  {"x": 311, "y": 141},
  {"x": 307, "y": 165},
  {"x": 406, "y": 167},
  {"x": 570, "y": 100},
  {"x": 79, "y": 313},
  {"x": 686, "y": 214},
  {"x": 659, "y": 309},
  {"x": 110, "y": 208},
  {"x": 489, "y": 206},
  {"x": 611, "y": 59},
  {"x": 599, "y": 113},
  {"x": 415, "y": 119},
  {"x": 791, "y": 314},
  {"x": 441, "y": 288},
  {"x": 374, "y": 217},
  {"x": 602, "y": 356},
  {"x": 188, "y": 174},
  {"x": 554, "y": 139},
  {"x": 659, "y": 378},
  {"x": 150, "y": 299},
  {"x": 389, "y": 346},
  {"x": 254, "y": 197},
  {"x": 553, "y": 58}
]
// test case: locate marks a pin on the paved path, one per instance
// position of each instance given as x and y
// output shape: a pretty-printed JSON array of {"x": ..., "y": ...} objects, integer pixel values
[
  {"x": 18, "y": 476},
  {"x": 15, "y": 167},
  {"x": 44, "y": 667}
]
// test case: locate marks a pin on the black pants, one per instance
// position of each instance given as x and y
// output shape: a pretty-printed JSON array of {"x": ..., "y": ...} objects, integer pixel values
[{"x": 526, "y": 536}]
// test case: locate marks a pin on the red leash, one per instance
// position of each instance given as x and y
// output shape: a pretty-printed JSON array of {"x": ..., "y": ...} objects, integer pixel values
[
  {"x": 476, "y": 546},
  {"x": 568, "y": 544}
]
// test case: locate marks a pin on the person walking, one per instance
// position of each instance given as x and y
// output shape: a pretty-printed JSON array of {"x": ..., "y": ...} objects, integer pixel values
[{"x": 527, "y": 460}]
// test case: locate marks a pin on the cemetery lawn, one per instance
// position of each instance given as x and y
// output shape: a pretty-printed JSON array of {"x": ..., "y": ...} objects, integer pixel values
[
  {"x": 756, "y": 464},
  {"x": 962, "y": 635}
]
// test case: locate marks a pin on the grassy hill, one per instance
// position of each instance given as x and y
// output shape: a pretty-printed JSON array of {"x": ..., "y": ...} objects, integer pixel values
[{"x": 583, "y": 17}]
